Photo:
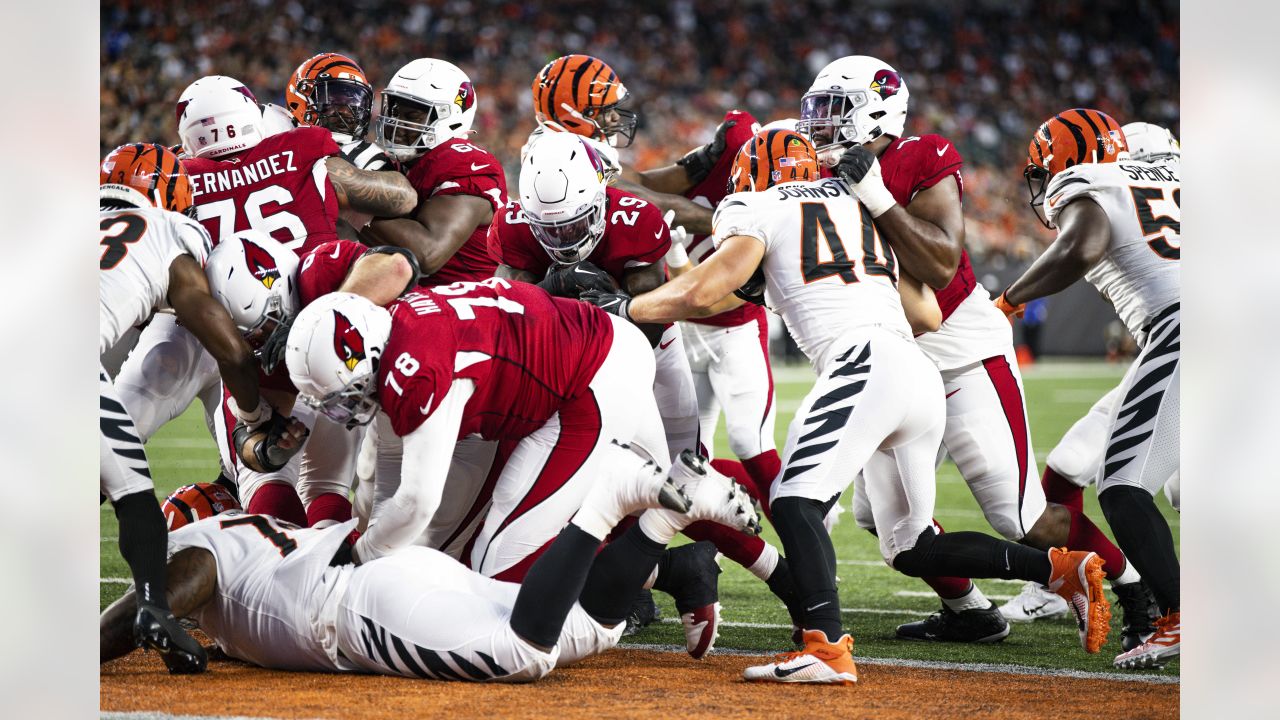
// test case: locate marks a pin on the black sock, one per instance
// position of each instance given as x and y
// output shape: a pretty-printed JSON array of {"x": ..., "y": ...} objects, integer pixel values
[
  {"x": 144, "y": 545},
  {"x": 812, "y": 562},
  {"x": 973, "y": 555},
  {"x": 552, "y": 586},
  {"x": 1144, "y": 536},
  {"x": 617, "y": 574},
  {"x": 784, "y": 587}
]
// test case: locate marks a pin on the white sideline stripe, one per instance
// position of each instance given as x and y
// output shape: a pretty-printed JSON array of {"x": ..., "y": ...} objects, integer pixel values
[
  {"x": 109, "y": 538},
  {"x": 927, "y": 594},
  {"x": 156, "y": 715},
  {"x": 1009, "y": 669},
  {"x": 115, "y": 581}
]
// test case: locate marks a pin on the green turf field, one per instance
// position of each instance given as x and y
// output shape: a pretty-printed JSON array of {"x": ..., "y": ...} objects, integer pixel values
[{"x": 875, "y": 598}]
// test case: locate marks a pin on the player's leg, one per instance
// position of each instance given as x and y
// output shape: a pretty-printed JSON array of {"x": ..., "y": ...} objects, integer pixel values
[
  {"x": 328, "y": 466},
  {"x": 743, "y": 382},
  {"x": 167, "y": 369},
  {"x": 125, "y": 479},
  {"x": 1142, "y": 454},
  {"x": 699, "y": 354},
  {"x": 674, "y": 391}
]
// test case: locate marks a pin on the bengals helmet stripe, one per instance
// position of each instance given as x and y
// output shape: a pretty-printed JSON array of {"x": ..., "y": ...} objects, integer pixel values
[
  {"x": 309, "y": 109},
  {"x": 190, "y": 503},
  {"x": 143, "y": 167},
  {"x": 1073, "y": 137},
  {"x": 772, "y": 157},
  {"x": 571, "y": 91}
]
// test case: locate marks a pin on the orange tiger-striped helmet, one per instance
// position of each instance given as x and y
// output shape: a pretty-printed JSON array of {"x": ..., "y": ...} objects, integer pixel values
[
  {"x": 772, "y": 157},
  {"x": 190, "y": 503},
  {"x": 331, "y": 91},
  {"x": 1070, "y": 138},
  {"x": 146, "y": 172},
  {"x": 582, "y": 94}
]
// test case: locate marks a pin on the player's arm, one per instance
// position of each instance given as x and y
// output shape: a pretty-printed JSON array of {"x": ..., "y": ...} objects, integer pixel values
[
  {"x": 1084, "y": 233},
  {"x": 208, "y": 321},
  {"x": 699, "y": 292},
  {"x": 383, "y": 193},
  {"x": 382, "y": 274},
  {"x": 695, "y": 218},
  {"x": 668, "y": 179},
  {"x": 513, "y": 273},
  {"x": 428, "y": 451},
  {"x": 919, "y": 304},
  {"x": 928, "y": 235},
  {"x": 441, "y": 225},
  {"x": 190, "y": 581},
  {"x": 680, "y": 176}
]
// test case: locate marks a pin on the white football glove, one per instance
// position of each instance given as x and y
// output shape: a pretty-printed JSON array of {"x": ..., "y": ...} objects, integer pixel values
[{"x": 677, "y": 256}]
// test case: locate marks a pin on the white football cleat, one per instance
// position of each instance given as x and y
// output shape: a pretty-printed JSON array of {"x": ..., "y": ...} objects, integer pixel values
[
  {"x": 712, "y": 496},
  {"x": 631, "y": 483},
  {"x": 1035, "y": 602},
  {"x": 820, "y": 662}
]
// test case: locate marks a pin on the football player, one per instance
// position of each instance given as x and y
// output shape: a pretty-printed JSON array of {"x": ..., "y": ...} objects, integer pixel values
[
  {"x": 257, "y": 585},
  {"x": 427, "y": 111},
  {"x": 877, "y": 404},
  {"x": 152, "y": 257},
  {"x": 1119, "y": 227},
  {"x": 1074, "y": 462}
]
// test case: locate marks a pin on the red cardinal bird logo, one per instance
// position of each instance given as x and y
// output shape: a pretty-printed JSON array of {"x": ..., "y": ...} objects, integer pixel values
[
  {"x": 886, "y": 83},
  {"x": 261, "y": 265},
  {"x": 466, "y": 97},
  {"x": 348, "y": 343}
]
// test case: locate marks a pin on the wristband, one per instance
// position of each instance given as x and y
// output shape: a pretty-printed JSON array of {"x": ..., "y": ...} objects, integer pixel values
[
  {"x": 257, "y": 417},
  {"x": 874, "y": 195}
]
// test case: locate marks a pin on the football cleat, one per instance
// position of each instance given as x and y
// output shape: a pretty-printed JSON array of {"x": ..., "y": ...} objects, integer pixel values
[
  {"x": 644, "y": 612},
  {"x": 692, "y": 579},
  {"x": 1140, "y": 613},
  {"x": 1035, "y": 602},
  {"x": 159, "y": 630},
  {"x": 632, "y": 483},
  {"x": 1160, "y": 648},
  {"x": 1077, "y": 578},
  {"x": 984, "y": 625},
  {"x": 713, "y": 496},
  {"x": 820, "y": 661}
]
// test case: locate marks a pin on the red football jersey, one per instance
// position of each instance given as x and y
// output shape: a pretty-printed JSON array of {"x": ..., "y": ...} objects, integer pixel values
[
  {"x": 527, "y": 352},
  {"x": 917, "y": 163},
  {"x": 709, "y": 193},
  {"x": 280, "y": 186},
  {"x": 456, "y": 167},
  {"x": 323, "y": 269},
  {"x": 634, "y": 236}
]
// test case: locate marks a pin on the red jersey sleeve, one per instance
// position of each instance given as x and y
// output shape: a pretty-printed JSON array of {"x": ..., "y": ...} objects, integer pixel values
[
  {"x": 457, "y": 167},
  {"x": 416, "y": 370},
  {"x": 323, "y": 269},
  {"x": 932, "y": 160},
  {"x": 635, "y": 233},
  {"x": 511, "y": 242}
]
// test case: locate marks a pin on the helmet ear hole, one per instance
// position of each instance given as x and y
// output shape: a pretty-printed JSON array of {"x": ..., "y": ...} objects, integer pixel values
[{"x": 877, "y": 114}]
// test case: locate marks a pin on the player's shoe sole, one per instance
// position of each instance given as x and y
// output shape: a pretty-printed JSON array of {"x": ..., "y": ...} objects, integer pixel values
[
  {"x": 1160, "y": 648},
  {"x": 1077, "y": 578}
]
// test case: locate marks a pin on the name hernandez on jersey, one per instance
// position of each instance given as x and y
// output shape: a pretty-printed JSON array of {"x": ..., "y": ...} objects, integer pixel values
[
  {"x": 709, "y": 193},
  {"x": 826, "y": 268},
  {"x": 634, "y": 236},
  {"x": 1139, "y": 274},
  {"x": 918, "y": 163},
  {"x": 527, "y": 352},
  {"x": 280, "y": 186},
  {"x": 270, "y": 587},
  {"x": 138, "y": 246},
  {"x": 456, "y": 167}
]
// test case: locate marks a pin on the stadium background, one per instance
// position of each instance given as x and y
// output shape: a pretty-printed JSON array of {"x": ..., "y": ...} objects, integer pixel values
[{"x": 983, "y": 74}]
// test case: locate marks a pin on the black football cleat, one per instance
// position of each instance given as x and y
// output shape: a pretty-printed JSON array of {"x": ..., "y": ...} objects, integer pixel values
[
  {"x": 692, "y": 579},
  {"x": 1140, "y": 613},
  {"x": 644, "y": 612},
  {"x": 159, "y": 630},
  {"x": 968, "y": 626}
]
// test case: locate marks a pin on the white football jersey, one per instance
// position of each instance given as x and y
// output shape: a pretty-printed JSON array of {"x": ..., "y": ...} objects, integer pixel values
[
  {"x": 138, "y": 245},
  {"x": 273, "y": 583},
  {"x": 1140, "y": 272},
  {"x": 826, "y": 268}
]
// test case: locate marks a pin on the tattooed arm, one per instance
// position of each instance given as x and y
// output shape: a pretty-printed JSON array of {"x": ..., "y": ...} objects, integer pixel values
[{"x": 383, "y": 193}]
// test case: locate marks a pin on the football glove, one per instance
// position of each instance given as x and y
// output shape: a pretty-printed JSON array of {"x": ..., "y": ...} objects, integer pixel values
[
  {"x": 259, "y": 447},
  {"x": 753, "y": 289},
  {"x": 614, "y": 303},
  {"x": 697, "y": 163},
  {"x": 272, "y": 351},
  {"x": 570, "y": 281},
  {"x": 859, "y": 169}
]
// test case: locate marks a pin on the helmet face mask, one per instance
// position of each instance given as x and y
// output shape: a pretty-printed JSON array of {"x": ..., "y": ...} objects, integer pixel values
[
  {"x": 352, "y": 405},
  {"x": 836, "y": 118},
  {"x": 427, "y": 103},
  {"x": 341, "y": 106},
  {"x": 571, "y": 240},
  {"x": 853, "y": 101},
  {"x": 617, "y": 124},
  {"x": 1037, "y": 179}
]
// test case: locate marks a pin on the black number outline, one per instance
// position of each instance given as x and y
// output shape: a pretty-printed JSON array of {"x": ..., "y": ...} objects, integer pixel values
[
  {"x": 283, "y": 542},
  {"x": 116, "y": 247},
  {"x": 814, "y": 221},
  {"x": 1152, "y": 224},
  {"x": 870, "y": 260}
]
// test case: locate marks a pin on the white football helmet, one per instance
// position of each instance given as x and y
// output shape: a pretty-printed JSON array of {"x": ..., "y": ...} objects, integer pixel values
[
  {"x": 276, "y": 119},
  {"x": 428, "y": 102},
  {"x": 333, "y": 353},
  {"x": 562, "y": 193},
  {"x": 255, "y": 278},
  {"x": 1151, "y": 143},
  {"x": 854, "y": 100},
  {"x": 217, "y": 116}
]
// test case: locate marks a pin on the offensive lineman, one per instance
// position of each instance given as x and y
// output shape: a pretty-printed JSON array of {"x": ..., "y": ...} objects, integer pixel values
[
  {"x": 877, "y": 403},
  {"x": 1119, "y": 227}
]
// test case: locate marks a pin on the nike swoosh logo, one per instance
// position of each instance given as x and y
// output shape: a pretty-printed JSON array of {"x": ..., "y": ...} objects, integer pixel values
[
  {"x": 827, "y": 602},
  {"x": 1006, "y": 559},
  {"x": 475, "y": 167},
  {"x": 953, "y": 392},
  {"x": 1037, "y": 608},
  {"x": 426, "y": 409},
  {"x": 943, "y": 149},
  {"x": 779, "y": 672},
  {"x": 659, "y": 235},
  {"x": 666, "y": 344}
]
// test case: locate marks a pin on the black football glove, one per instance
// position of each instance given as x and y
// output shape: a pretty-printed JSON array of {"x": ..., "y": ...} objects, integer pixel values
[
  {"x": 259, "y": 447},
  {"x": 854, "y": 164},
  {"x": 271, "y": 354},
  {"x": 753, "y": 289},
  {"x": 570, "y": 281},
  {"x": 614, "y": 303},
  {"x": 698, "y": 162}
]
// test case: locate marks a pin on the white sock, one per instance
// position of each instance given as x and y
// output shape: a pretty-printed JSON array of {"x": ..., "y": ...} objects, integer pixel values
[
  {"x": 593, "y": 522},
  {"x": 972, "y": 600},
  {"x": 661, "y": 526},
  {"x": 764, "y": 565},
  {"x": 653, "y": 578},
  {"x": 1130, "y": 575}
]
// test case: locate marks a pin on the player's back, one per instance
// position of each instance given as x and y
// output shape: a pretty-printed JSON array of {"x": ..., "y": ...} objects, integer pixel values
[
  {"x": 138, "y": 245},
  {"x": 458, "y": 167},
  {"x": 526, "y": 351},
  {"x": 1139, "y": 273},
  {"x": 280, "y": 186},
  {"x": 272, "y": 587},
  {"x": 826, "y": 269}
]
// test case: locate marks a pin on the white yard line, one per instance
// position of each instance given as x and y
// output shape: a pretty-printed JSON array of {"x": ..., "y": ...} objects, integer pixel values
[{"x": 928, "y": 594}]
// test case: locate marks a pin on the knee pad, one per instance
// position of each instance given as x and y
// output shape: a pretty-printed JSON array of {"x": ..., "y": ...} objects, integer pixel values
[
  {"x": 911, "y": 562},
  {"x": 1075, "y": 463}
]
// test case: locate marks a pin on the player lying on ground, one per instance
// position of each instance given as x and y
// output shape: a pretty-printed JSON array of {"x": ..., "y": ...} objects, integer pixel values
[
  {"x": 290, "y": 598},
  {"x": 877, "y": 401}
]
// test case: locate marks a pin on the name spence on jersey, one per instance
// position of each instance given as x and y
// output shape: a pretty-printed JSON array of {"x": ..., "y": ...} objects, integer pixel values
[
  {"x": 1157, "y": 173},
  {"x": 224, "y": 180},
  {"x": 828, "y": 188}
]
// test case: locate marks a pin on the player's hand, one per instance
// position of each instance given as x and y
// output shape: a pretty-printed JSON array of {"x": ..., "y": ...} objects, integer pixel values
[
  {"x": 1010, "y": 310},
  {"x": 615, "y": 303},
  {"x": 698, "y": 162},
  {"x": 860, "y": 169},
  {"x": 753, "y": 289},
  {"x": 272, "y": 351},
  {"x": 570, "y": 281},
  {"x": 269, "y": 447},
  {"x": 854, "y": 164},
  {"x": 677, "y": 256}
]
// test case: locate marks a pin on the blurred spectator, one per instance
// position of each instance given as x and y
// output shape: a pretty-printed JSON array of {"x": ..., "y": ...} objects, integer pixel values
[{"x": 984, "y": 74}]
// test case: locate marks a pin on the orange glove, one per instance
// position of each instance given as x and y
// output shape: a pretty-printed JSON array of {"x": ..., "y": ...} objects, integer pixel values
[{"x": 1010, "y": 311}]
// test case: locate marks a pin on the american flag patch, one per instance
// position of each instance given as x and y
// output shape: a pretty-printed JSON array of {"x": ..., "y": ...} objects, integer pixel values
[{"x": 787, "y": 162}]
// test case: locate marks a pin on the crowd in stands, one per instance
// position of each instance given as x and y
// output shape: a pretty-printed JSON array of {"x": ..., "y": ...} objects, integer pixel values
[{"x": 983, "y": 73}]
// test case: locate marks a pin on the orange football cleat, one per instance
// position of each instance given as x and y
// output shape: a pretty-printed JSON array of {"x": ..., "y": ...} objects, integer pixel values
[
  {"x": 1077, "y": 578},
  {"x": 821, "y": 661}
]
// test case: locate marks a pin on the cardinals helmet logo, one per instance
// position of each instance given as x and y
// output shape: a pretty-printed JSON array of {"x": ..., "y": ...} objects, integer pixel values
[
  {"x": 261, "y": 265},
  {"x": 466, "y": 97},
  {"x": 886, "y": 83},
  {"x": 596, "y": 161},
  {"x": 348, "y": 343}
]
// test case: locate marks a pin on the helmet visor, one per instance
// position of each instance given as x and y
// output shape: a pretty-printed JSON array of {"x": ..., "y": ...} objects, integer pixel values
[
  {"x": 343, "y": 106},
  {"x": 406, "y": 124},
  {"x": 823, "y": 113},
  {"x": 356, "y": 403},
  {"x": 569, "y": 240}
]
